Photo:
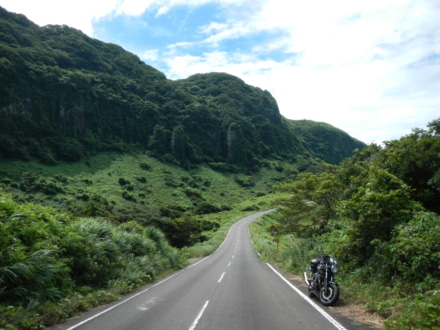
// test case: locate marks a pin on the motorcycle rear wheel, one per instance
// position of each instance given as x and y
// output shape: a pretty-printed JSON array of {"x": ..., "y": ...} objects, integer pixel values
[{"x": 332, "y": 297}]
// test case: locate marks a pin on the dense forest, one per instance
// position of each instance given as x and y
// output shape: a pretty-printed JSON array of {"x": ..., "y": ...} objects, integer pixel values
[{"x": 65, "y": 96}]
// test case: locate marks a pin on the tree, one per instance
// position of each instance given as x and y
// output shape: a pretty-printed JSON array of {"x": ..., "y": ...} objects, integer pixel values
[
  {"x": 434, "y": 127},
  {"x": 238, "y": 146},
  {"x": 159, "y": 143},
  {"x": 415, "y": 249},
  {"x": 377, "y": 207},
  {"x": 178, "y": 143},
  {"x": 312, "y": 201},
  {"x": 415, "y": 159}
]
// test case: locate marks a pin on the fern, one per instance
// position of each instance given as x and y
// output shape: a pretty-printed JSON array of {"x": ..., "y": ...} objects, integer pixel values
[{"x": 30, "y": 277}]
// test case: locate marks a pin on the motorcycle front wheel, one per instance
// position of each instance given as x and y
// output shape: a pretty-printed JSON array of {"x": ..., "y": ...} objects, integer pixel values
[{"x": 331, "y": 297}]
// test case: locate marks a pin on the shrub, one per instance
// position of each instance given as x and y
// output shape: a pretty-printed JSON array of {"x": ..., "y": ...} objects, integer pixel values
[
  {"x": 69, "y": 150},
  {"x": 83, "y": 197},
  {"x": 61, "y": 178},
  {"x": 192, "y": 193},
  {"x": 127, "y": 196},
  {"x": 123, "y": 182},
  {"x": 135, "y": 244},
  {"x": 419, "y": 312},
  {"x": 252, "y": 207},
  {"x": 6, "y": 181},
  {"x": 145, "y": 166},
  {"x": 207, "y": 207},
  {"x": 244, "y": 181},
  {"x": 223, "y": 167},
  {"x": 416, "y": 259},
  {"x": 41, "y": 152},
  {"x": 129, "y": 187},
  {"x": 29, "y": 276},
  {"x": 209, "y": 225},
  {"x": 87, "y": 182},
  {"x": 30, "y": 182},
  {"x": 49, "y": 187},
  {"x": 172, "y": 211}
]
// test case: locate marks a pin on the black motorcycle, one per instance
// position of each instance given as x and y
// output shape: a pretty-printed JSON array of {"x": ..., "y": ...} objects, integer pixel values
[{"x": 320, "y": 279}]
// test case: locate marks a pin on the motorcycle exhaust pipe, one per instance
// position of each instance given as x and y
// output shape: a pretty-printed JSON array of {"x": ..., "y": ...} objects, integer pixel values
[{"x": 306, "y": 279}]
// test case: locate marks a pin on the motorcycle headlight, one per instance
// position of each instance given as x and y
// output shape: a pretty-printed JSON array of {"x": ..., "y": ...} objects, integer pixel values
[{"x": 334, "y": 269}]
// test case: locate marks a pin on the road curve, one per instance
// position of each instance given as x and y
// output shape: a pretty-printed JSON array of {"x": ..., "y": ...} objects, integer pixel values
[{"x": 230, "y": 289}]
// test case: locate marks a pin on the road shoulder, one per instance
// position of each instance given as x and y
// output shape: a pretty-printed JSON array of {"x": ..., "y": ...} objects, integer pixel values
[{"x": 351, "y": 316}]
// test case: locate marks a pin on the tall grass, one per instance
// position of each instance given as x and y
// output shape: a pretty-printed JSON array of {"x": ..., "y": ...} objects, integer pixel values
[
  {"x": 263, "y": 240},
  {"x": 296, "y": 257},
  {"x": 290, "y": 253}
]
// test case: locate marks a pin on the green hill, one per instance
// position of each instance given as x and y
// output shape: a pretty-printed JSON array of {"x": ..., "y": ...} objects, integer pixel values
[
  {"x": 65, "y": 96},
  {"x": 87, "y": 127},
  {"x": 325, "y": 141}
]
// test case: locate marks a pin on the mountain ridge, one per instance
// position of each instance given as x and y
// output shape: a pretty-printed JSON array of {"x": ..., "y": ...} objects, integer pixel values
[{"x": 66, "y": 96}]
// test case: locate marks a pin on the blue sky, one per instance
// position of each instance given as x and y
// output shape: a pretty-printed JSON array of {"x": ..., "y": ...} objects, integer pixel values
[{"x": 368, "y": 67}]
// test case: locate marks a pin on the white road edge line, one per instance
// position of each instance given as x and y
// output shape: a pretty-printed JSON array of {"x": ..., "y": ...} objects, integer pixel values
[
  {"x": 221, "y": 277},
  {"x": 134, "y": 296},
  {"x": 319, "y": 309},
  {"x": 199, "y": 316}
]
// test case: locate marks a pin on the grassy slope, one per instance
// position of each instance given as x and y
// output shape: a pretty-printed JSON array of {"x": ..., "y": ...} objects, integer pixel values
[{"x": 159, "y": 186}]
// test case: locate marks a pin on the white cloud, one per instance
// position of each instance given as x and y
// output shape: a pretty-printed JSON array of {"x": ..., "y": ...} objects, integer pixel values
[
  {"x": 133, "y": 7},
  {"x": 150, "y": 55},
  {"x": 352, "y": 69},
  {"x": 138, "y": 7}
]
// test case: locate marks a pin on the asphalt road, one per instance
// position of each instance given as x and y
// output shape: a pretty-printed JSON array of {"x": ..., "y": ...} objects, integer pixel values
[{"x": 230, "y": 289}]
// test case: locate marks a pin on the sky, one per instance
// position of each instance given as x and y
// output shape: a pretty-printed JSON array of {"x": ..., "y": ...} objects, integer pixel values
[{"x": 368, "y": 67}]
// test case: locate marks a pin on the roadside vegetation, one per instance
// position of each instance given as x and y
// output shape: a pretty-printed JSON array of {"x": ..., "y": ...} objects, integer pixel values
[
  {"x": 70, "y": 239},
  {"x": 54, "y": 264},
  {"x": 378, "y": 213}
]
